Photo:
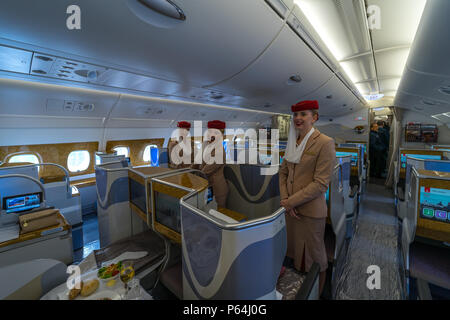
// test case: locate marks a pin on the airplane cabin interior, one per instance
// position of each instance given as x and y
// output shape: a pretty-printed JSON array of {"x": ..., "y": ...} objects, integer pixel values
[{"x": 107, "y": 189}]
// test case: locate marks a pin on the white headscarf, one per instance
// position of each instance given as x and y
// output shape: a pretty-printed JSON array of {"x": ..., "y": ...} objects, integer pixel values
[{"x": 293, "y": 152}]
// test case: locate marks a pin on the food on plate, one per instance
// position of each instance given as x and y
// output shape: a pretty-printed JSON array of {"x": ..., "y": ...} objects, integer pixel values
[
  {"x": 89, "y": 287},
  {"x": 106, "y": 298},
  {"x": 75, "y": 292},
  {"x": 111, "y": 283},
  {"x": 110, "y": 271}
]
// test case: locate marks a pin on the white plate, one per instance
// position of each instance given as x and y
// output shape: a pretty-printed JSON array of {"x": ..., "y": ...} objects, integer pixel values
[{"x": 104, "y": 294}]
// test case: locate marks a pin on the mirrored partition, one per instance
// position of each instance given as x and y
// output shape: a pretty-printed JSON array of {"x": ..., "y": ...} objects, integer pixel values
[{"x": 220, "y": 254}]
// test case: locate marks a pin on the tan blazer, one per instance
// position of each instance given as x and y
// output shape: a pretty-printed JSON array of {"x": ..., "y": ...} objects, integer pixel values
[
  {"x": 172, "y": 165},
  {"x": 305, "y": 184},
  {"x": 216, "y": 179}
]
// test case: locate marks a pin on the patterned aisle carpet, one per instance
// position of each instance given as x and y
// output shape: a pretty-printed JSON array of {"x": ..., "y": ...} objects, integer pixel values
[{"x": 374, "y": 244}]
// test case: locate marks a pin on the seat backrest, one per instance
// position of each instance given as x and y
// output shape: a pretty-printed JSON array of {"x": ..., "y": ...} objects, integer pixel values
[{"x": 32, "y": 279}]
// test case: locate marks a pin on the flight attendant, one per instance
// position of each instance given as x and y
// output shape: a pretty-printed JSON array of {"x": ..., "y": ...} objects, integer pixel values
[
  {"x": 214, "y": 171},
  {"x": 172, "y": 143},
  {"x": 304, "y": 179}
]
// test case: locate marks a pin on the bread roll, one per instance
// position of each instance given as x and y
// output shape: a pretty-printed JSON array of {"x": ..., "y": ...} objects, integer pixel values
[
  {"x": 75, "y": 292},
  {"x": 89, "y": 287}
]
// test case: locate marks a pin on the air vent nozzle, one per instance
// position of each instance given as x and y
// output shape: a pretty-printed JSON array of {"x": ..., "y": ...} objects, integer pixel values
[{"x": 295, "y": 79}]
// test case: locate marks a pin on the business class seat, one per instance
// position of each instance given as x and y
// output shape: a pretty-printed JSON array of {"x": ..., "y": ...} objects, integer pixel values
[
  {"x": 32, "y": 279},
  {"x": 424, "y": 240}
]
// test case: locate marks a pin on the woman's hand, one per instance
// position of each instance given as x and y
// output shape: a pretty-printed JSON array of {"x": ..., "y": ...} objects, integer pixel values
[
  {"x": 284, "y": 203},
  {"x": 292, "y": 213}
]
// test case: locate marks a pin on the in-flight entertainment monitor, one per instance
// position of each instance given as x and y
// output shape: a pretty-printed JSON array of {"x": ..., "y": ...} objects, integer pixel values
[
  {"x": 435, "y": 204},
  {"x": 22, "y": 203}
]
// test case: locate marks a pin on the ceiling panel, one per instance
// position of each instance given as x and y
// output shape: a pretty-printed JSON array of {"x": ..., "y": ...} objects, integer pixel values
[
  {"x": 391, "y": 63},
  {"x": 359, "y": 69},
  {"x": 389, "y": 85},
  {"x": 333, "y": 98},
  {"x": 367, "y": 87},
  {"x": 399, "y": 22},
  {"x": 268, "y": 78},
  {"x": 206, "y": 48}
]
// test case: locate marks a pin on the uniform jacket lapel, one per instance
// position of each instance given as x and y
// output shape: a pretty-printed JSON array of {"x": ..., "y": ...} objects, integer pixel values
[{"x": 312, "y": 140}]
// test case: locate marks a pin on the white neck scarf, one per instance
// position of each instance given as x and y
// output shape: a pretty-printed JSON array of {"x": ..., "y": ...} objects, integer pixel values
[{"x": 293, "y": 152}]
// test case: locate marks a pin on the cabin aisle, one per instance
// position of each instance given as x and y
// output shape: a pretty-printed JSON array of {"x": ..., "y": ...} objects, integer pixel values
[{"x": 374, "y": 243}]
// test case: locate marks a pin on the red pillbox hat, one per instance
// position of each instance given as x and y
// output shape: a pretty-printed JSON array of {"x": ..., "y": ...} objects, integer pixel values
[
  {"x": 305, "y": 105},
  {"x": 184, "y": 125},
  {"x": 216, "y": 124}
]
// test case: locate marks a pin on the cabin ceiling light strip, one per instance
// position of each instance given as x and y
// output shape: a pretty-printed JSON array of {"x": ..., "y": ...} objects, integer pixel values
[{"x": 321, "y": 22}]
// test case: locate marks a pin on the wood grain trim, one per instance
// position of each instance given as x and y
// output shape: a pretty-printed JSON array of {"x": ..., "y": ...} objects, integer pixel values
[
  {"x": 84, "y": 182},
  {"x": 136, "y": 177},
  {"x": 432, "y": 229},
  {"x": 136, "y": 148},
  {"x": 188, "y": 180},
  {"x": 172, "y": 235},
  {"x": 139, "y": 212},
  {"x": 37, "y": 233},
  {"x": 53, "y": 153},
  {"x": 173, "y": 192},
  {"x": 14, "y": 164}
]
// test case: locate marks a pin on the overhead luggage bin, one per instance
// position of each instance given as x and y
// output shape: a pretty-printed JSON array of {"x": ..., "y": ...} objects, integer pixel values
[
  {"x": 206, "y": 34},
  {"x": 287, "y": 71},
  {"x": 334, "y": 98}
]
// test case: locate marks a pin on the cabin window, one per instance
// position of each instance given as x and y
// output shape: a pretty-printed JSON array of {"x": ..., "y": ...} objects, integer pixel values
[
  {"x": 31, "y": 158},
  {"x": 78, "y": 160},
  {"x": 151, "y": 155},
  {"x": 122, "y": 151}
]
